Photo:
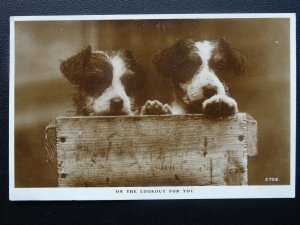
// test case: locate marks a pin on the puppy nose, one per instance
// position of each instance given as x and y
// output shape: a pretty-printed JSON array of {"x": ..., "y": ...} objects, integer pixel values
[
  {"x": 209, "y": 91},
  {"x": 116, "y": 103}
]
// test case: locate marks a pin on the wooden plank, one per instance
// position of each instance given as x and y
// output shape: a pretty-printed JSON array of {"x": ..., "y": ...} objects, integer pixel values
[
  {"x": 252, "y": 136},
  {"x": 153, "y": 150},
  {"x": 50, "y": 142},
  {"x": 50, "y": 146}
]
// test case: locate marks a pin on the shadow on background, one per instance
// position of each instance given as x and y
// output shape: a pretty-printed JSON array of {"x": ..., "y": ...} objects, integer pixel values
[{"x": 41, "y": 93}]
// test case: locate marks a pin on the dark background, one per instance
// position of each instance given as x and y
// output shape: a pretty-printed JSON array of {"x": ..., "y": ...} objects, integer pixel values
[
  {"x": 42, "y": 93},
  {"x": 276, "y": 211}
]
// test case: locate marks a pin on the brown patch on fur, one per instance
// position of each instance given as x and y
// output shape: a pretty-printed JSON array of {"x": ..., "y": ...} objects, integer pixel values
[
  {"x": 180, "y": 62},
  {"x": 91, "y": 72}
]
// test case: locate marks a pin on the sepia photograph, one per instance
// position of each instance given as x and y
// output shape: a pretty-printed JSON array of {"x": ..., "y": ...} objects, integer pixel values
[{"x": 152, "y": 107}]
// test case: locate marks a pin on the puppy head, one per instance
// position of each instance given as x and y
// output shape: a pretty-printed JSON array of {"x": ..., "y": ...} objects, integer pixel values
[
  {"x": 106, "y": 81},
  {"x": 196, "y": 67}
]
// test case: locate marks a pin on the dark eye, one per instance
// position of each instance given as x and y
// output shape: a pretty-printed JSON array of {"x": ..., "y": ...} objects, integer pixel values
[
  {"x": 128, "y": 80},
  {"x": 186, "y": 69},
  {"x": 95, "y": 83},
  {"x": 194, "y": 61},
  {"x": 96, "y": 77},
  {"x": 219, "y": 62}
]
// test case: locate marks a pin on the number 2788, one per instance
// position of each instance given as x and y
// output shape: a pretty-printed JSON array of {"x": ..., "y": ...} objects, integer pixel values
[{"x": 272, "y": 179}]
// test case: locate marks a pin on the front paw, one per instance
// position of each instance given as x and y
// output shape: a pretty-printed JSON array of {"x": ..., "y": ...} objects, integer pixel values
[
  {"x": 155, "y": 108},
  {"x": 219, "y": 106}
]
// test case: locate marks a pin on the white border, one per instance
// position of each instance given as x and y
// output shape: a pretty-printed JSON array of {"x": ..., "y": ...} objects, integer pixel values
[
  {"x": 203, "y": 192},
  {"x": 154, "y": 16}
]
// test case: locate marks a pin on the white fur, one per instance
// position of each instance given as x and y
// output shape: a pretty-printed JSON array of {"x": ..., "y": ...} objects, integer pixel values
[{"x": 101, "y": 105}]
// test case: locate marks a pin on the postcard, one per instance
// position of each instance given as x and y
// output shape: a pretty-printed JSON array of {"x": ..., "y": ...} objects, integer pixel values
[{"x": 131, "y": 107}]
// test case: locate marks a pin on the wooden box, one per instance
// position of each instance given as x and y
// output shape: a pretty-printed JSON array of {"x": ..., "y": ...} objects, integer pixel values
[{"x": 167, "y": 150}]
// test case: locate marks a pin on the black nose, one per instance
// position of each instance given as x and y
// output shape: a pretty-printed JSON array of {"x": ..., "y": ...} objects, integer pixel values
[
  {"x": 116, "y": 103},
  {"x": 209, "y": 91}
]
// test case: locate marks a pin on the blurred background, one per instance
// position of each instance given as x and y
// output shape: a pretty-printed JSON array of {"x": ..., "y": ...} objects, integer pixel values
[{"x": 42, "y": 93}]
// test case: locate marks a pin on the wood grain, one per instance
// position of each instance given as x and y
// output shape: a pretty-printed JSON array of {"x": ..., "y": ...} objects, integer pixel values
[{"x": 163, "y": 150}]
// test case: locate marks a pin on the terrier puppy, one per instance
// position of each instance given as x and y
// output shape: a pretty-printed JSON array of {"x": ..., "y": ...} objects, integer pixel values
[
  {"x": 107, "y": 81},
  {"x": 195, "y": 70}
]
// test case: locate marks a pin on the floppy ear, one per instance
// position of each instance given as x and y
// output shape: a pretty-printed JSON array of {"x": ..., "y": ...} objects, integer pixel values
[
  {"x": 129, "y": 57},
  {"x": 237, "y": 60},
  {"x": 169, "y": 60},
  {"x": 73, "y": 67}
]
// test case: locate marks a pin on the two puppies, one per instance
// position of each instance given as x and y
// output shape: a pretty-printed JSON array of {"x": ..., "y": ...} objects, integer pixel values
[{"x": 108, "y": 82}]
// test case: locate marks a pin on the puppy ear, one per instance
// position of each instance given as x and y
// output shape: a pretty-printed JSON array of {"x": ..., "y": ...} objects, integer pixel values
[
  {"x": 128, "y": 54},
  {"x": 73, "y": 67},
  {"x": 237, "y": 59},
  {"x": 130, "y": 60},
  {"x": 168, "y": 60}
]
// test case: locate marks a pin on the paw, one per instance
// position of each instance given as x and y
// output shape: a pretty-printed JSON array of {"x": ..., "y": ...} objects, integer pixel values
[
  {"x": 219, "y": 106},
  {"x": 155, "y": 108}
]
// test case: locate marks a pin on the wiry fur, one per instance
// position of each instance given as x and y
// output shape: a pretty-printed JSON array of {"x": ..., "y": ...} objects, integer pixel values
[
  {"x": 106, "y": 81},
  {"x": 195, "y": 69}
]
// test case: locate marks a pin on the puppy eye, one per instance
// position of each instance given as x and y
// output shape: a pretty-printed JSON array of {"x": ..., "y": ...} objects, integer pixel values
[
  {"x": 128, "y": 77},
  {"x": 128, "y": 74},
  {"x": 128, "y": 81},
  {"x": 220, "y": 63}
]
